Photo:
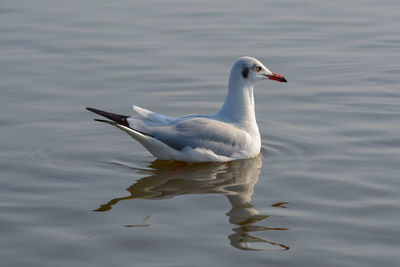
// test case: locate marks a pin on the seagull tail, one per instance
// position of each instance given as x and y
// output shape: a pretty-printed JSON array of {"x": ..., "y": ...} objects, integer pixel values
[{"x": 119, "y": 119}]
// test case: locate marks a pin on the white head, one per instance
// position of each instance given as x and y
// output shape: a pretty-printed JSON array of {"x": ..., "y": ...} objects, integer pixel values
[
  {"x": 239, "y": 103},
  {"x": 252, "y": 70}
]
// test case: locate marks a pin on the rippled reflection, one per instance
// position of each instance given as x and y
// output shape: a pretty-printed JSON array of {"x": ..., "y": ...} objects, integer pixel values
[{"x": 235, "y": 180}]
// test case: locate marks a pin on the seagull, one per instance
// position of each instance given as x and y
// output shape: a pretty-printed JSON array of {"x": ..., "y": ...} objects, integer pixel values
[{"x": 230, "y": 134}]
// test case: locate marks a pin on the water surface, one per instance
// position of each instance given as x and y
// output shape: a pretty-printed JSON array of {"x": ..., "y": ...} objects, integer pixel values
[{"x": 324, "y": 191}]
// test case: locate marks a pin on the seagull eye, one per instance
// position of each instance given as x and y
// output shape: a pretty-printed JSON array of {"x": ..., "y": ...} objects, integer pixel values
[{"x": 258, "y": 68}]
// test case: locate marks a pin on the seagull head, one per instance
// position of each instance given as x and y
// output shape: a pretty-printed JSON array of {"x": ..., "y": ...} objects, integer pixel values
[{"x": 253, "y": 70}]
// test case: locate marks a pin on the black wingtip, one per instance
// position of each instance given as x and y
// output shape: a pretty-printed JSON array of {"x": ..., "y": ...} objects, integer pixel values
[
  {"x": 100, "y": 120},
  {"x": 120, "y": 119}
]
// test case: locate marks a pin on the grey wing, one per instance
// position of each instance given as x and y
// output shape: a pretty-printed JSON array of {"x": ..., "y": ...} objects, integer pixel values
[{"x": 222, "y": 138}]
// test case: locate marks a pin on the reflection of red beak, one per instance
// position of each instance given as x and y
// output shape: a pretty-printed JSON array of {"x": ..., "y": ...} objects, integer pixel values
[{"x": 276, "y": 77}]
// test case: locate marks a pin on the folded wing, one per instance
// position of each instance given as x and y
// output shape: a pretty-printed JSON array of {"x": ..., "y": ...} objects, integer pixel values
[{"x": 194, "y": 132}]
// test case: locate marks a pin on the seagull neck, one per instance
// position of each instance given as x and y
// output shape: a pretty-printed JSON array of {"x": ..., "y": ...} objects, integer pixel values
[{"x": 239, "y": 103}]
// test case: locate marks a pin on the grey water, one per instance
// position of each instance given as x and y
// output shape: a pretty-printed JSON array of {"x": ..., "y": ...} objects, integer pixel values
[{"x": 323, "y": 192}]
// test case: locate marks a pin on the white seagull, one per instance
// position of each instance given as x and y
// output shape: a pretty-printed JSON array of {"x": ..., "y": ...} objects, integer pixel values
[{"x": 230, "y": 134}]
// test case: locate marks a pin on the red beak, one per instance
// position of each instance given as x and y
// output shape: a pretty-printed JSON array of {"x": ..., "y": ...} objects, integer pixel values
[{"x": 276, "y": 77}]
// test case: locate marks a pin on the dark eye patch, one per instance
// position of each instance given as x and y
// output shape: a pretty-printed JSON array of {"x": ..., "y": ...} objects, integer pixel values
[
  {"x": 245, "y": 72},
  {"x": 258, "y": 68}
]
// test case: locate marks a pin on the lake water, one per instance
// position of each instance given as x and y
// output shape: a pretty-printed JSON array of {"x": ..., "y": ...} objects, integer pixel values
[{"x": 324, "y": 192}]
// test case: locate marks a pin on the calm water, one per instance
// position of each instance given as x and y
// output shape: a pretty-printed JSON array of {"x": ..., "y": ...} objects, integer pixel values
[{"x": 74, "y": 192}]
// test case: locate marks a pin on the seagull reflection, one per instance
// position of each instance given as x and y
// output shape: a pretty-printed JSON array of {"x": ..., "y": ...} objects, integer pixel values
[{"x": 235, "y": 180}]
